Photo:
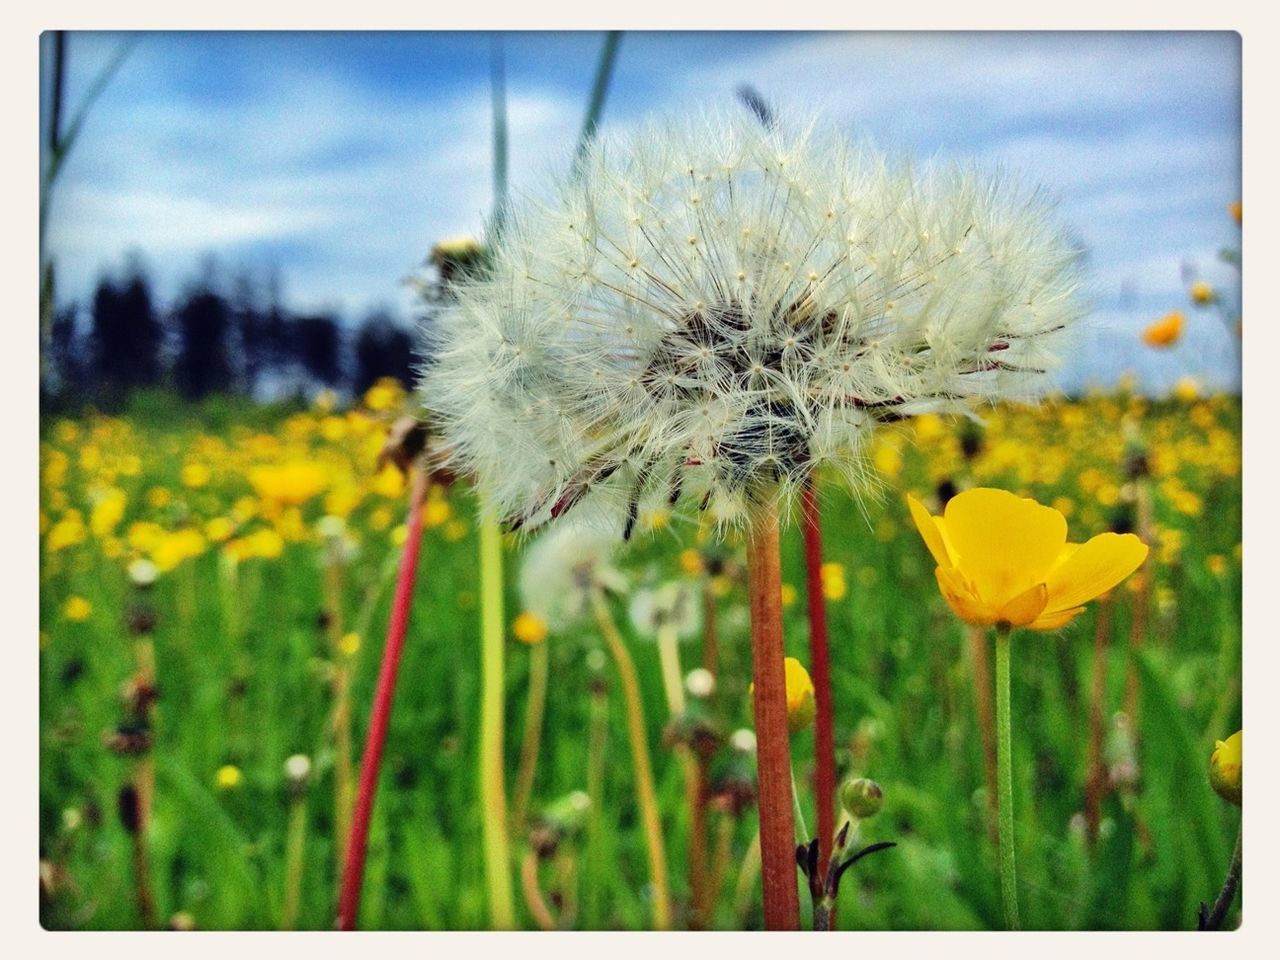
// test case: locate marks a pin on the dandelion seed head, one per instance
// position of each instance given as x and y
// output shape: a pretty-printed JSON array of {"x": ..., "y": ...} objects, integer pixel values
[
  {"x": 636, "y": 341},
  {"x": 563, "y": 566}
]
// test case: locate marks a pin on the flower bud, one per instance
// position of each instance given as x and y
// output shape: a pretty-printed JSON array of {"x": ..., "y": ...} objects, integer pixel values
[
  {"x": 1226, "y": 767},
  {"x": 801, "y": 706},
  {"x": 862, "y": 798},
  {"x": 297, "y": 769}
]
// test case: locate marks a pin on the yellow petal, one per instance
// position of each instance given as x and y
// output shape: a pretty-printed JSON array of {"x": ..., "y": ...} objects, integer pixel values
[
  {"x": 1025, "y": 607},
  {"x": 1005, "y": 544},
  {"x": 961, "y": 599},
  {"x": 928, "y": 527},
  {"x": 1054, "y": 620},
  {"x": 1094, "y": 568}
]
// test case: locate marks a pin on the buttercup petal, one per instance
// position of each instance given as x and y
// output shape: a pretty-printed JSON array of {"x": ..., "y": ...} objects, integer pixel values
[
  {"x": 961, "y": 599},
  {"x": 1025, "y": 607},
  {"x": 1094, "y": 568},
  {"x": 928, "y": 527},
  {"x": 1005, "y": 544},
  {"x": 1056, "y": 619}
]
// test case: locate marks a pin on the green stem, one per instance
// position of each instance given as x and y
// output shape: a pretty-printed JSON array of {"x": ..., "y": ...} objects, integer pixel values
[
  {"x": 1004, "y": 764},
  {"x": 1214, "y": 918},
  {"x": 597, "y": 742},
  {"x": 646, "y": 795},
  {"x": 802, "y": 829},
  {"x": 295, "y": 843},
  {"x": 497, "y": 847},
  {"x": 535, "y": 708}
]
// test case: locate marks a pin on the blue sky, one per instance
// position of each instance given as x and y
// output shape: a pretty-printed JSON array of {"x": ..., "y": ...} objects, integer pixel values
[{"x": 340, "y": 158}]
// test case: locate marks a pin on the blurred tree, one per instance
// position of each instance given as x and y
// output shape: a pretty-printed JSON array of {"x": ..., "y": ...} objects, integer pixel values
[
  {"x": 256, "y": 323},
  {"x": 66, "y": 361},
  {"x": 126, "y": 334},
  {"x": 203, "y": 363},
  {"x": 315, "y": 345},
  {"x": 383, "y": 349}
]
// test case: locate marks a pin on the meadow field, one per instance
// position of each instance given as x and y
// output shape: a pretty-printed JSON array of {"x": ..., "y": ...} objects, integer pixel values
[{"x": 216, "y": 583}]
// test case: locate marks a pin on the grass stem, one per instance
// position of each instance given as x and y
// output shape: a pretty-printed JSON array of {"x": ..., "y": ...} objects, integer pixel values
[{"x": 1008, "y": 857}]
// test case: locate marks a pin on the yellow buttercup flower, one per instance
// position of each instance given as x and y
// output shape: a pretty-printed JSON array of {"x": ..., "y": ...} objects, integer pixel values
[
  {"x": 77, "y": 609},
  {"x": 1165, "y": 331},
  {"x": 801, "y": 705},
  {"x": 691, "y": 562},
  {"x": 1202, "y": 293},
  {"x": 349, "y": 644},
  {"x": 529, "y": 628},
  {"x": 833, "y": 582},
  {"x": 195, "y": 475},
  {"x": 1005, "y": 560},
  {"x": 288, "y": 484},
  {"x": 1226, "y": 767},
  {"x": 228, "y": 777}
]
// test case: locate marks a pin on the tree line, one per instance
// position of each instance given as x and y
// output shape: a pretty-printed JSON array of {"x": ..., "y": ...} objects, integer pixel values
[{"x": 215, "y": 338}]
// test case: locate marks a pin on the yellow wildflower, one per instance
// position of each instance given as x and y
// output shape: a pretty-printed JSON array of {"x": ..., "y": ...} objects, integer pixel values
[
  {"x": 67, "y": 532},
  {"x": 384, "y": 395},
  {"x": 219, "y": 529},
  {"x": 801, "y": 705},
  {"x": 529, "y": 628},
  {"x": 1005, "y": 560},
  {"x": 1226, "y": 767},
  {"x": 288, "y": 484},
  {"x": 1186, "y": 389},
  {"x": 195, "y": 475},
  {"x": 389, "y": 482},
  {"x": 1202, "y": 293},
  {"x": 77, "y": 609},
  {"x": 349, "y": 644},
  {"x": 228, "y": 777},
  {"x": 107, "y": 512},
  {"x": 833, "y": 582},
  {"x": 1165, "y": 331},
  {"x": 435, "y": 511},
  {"x": 789, "y": 595},
  {"x": 691, "y": 562}
]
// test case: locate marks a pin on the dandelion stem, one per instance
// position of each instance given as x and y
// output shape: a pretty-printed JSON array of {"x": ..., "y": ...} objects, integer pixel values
[
  {"x": 646, "y": 796},
  {"x": 597, "y": 741},
  {"x": 820, "y": 668},
  {"x": 773, "y": 748},
  {"x": 1004, "y": 750},
  {"x": 344, "y": 794},
  {"x": 493, "y": 799},
  {"x": 669, "y": 656},
  {"x": 295, "y": 845},
  {"x": 357, "y": 842},
  {"x": 533, "y": 897},
  {"x": 534, "y": 710},
  {"x": 1095, "y": 778}
]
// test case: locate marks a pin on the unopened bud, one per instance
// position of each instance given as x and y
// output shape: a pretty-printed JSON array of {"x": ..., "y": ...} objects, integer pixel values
[
  {"x": 1226, "y": 767},
  {"x": 862, "y": 798}
]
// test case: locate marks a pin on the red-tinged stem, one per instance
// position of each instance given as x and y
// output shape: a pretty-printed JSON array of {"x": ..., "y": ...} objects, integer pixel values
[
  {"x": 820, "y": 668},
  {"x": 357, "y": 842},
  {"x": 773, "y": 748}
]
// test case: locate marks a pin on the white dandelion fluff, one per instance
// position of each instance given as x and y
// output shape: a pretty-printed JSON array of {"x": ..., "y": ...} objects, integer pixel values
[
  {"x": 563, "y": 567},
  {"x": 713, "y": 309}
]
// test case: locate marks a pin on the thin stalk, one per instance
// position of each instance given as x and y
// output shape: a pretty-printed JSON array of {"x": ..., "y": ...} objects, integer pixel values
[
  {"x": 343, "y": 764},
  {"x": 699, "y": 871},
  {"x": 986, "y": 719},
  {"x": 669, "y": 658},
  {"x": 380, "y": 717},
  {"x": 532, "y": 890},
  {"x": 295, "y": 846},
  {"x": 493, "y": 796},
  {"x": 534, "y": 710},
  {"x": 1213, "y": 920},
  {"x": 599, "y": 89},
  {"x": 747, "y": 876},
  {"x": 820, "y": 668},
  {"x": 802, "y": 828},
  {"x": 144, "y": 785},
  {"x": 1095, "y": 778},
  {"x": 498, "y": 90},
  {"x": 1141, "y": 606},
  {"x": 1008, "y": 857},
  {"x": 773, "y": 748},
  {"x": 719, "y": 862},
  {"x": 646, "y": 797},
  {"x": 710, "y": 631},
  {"x": 597, "y": 743}
]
